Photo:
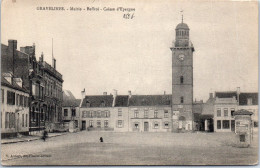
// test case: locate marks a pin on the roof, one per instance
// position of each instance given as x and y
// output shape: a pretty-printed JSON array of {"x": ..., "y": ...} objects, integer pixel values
[
  {"x": 13, "y": 85},
  {"x": 67, "y": 95},
  {"x": 96, "y": 101},
  {"x": 182, "y": 26},
  {"x": 226, "y": 94},
  {"x": 121, "y": 101},
  {"x": 150, "y": 100},
  {"x": 243, "y": 112},
  {"x": 68, "y": 103},
  {"x": 244, "y": 96}
]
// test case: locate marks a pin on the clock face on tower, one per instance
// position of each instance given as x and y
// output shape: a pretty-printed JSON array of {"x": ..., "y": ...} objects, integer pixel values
[{"x": 181, "y": 57}]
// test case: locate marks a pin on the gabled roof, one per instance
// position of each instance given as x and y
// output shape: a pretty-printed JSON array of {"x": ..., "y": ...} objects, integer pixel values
[
  {"x": 12, "y": 85},
  {"x": 121, "y": 101},
  {"x": 244, "y": 96},
  {"x": 226, "y": 94},
  {"x": 72, "y": 102},
  {"x": 96, "y": 101},
  {"x": 150, "y": 100}
]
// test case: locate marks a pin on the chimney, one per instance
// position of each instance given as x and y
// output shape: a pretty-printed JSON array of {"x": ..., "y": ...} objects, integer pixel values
[
  {"x": 12, "y": 45},
  {"x": 211, "y": 95},
  {"x": 129, "y": 93},
  {"x": 114, "y": 97},
  {"x": 83, "y": 93},
  {"x": 42, "y": 57},
  {"x": 105, "y": 93},
  {"x": 19, "y": 81},
  {"x": 54, "y": 63}
]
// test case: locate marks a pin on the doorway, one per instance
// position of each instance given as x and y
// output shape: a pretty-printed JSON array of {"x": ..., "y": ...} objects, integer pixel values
[
  {"x": 146, "y": 126},
  {"x": 83, "y": 125},
  {"x": 233, "y": 125}
]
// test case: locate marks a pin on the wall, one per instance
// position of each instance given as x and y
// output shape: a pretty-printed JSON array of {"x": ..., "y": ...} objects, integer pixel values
[{"x": 14, "y": 109}]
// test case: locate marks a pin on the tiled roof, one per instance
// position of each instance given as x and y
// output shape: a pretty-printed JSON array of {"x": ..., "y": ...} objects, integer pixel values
[
  {"x": 226, "y": 94},
  {"x": 244, "y": 96},
  {"x": 243, "y": 112},
  {"x": 14, "y": 85},
  {"x": 96, "y": 101},
  {"x": 150, "y": 100},
  {"x": 121, "y": 101},
  {"x": 74, "y": 102}
]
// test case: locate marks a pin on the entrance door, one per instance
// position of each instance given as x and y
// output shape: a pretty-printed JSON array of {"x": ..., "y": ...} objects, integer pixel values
[
  {"x": 83, "y": 125},
  {"x": 233, "y": 125},
  {"x": 146, "y": 126}
]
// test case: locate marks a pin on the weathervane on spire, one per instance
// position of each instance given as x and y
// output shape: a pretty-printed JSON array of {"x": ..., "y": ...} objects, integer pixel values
[{"x": 181, "y": 16}]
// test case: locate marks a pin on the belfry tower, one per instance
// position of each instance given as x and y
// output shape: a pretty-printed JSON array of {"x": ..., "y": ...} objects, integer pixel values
[{"x": 182, "y": 79}]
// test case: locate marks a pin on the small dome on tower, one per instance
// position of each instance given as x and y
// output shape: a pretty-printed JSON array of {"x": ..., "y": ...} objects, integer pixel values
[{"x": 182, "y": 26}]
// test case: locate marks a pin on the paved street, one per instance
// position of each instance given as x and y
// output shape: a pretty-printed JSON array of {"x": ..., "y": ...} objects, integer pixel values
[{"x": 84, "y": 148}]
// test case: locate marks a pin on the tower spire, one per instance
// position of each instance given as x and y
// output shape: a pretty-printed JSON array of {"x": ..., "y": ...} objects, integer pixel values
[{"x": 52, "y": 48}]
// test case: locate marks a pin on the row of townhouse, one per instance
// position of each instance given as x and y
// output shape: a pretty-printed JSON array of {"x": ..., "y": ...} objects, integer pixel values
[
  {"x": 122, "y": 113},
  {"x": 153, "y": 113},
  {"x": 42, "y": 81},
  {"x": 217, "y": 113}
]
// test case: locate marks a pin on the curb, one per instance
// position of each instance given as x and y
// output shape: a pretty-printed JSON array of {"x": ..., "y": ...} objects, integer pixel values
[{"x": 29, "y": 139}]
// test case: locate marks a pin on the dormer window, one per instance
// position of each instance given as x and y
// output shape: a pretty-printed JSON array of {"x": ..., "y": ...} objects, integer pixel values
[
  {"x": 249, "y": 101},
  {"x": 102, "y": 104},
  {"x": 88, "y": 104}
]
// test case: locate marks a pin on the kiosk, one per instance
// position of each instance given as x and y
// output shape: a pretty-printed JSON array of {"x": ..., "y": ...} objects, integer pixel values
[{"x": 243, "y": 128}]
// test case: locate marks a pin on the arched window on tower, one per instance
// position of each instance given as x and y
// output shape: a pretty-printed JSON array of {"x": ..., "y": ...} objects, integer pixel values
[
  {"x": 181, "y": 79},
  {"x": 182, "y": 99}
]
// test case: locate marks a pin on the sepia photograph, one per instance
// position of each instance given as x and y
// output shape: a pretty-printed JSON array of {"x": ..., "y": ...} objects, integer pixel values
[{"x": 129, "y": 83}]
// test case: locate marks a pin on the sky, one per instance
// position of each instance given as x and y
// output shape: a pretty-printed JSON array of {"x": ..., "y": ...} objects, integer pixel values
[{"x": 101, "y": 51}]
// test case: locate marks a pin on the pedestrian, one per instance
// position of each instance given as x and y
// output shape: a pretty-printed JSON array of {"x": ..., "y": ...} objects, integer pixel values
[
  {"x": 101, "y": 139},
  {"x": 45, "y": 135}
]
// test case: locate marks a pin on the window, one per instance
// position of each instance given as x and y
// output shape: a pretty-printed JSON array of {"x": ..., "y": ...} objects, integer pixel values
[
  {"x": 155, "y": 114},
  {"x": 106, "y": 123},
  {"x": 225, "y": 124},
  {"x": 136, "y": 114},
  {"x": 91, "y": 123},
  {"x": 119, "y": 112},
  {"x": 156, "y": 125},
  {"x": 42, "y": 115},
  {"x": 225, "y": 112},
  {"x": 84, "y": 114},
  {"x": 182, "y": 99},
  {"x": 166, "y": 114},
  {"x": 73, "y": 112},
  {"x": 232, "y": 112},
  {"x": 3, "y": 95},
  {"x": 249, "y": 101},
  {"x": 98, "y": 123},
  {"x": 102, "y": 104},
  {"x": 10, "y": 98},
  {"x": 26, "y": 120},
  {"x": 91, "y": 114},
  {"x": 218, "y": 124},
  {"x": 242, "y": 138},
  {"x": 106, "y": 114},
  {"x": 218, "y": 112},
  {"x": 21, "y": 100},
  {"x": 6, "y": 120},
  {"x": 65, "y": 112},
  {"x": 88, "y": 104},
  {"x": 120, "y": 123},
  {"x": 145, "y": 113},
  {"x": 136, "y": 126},
  {"x": 166, "y": 125},
  {"x": 22, "y": 120},
  {"x": 181, "y": 79}
]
